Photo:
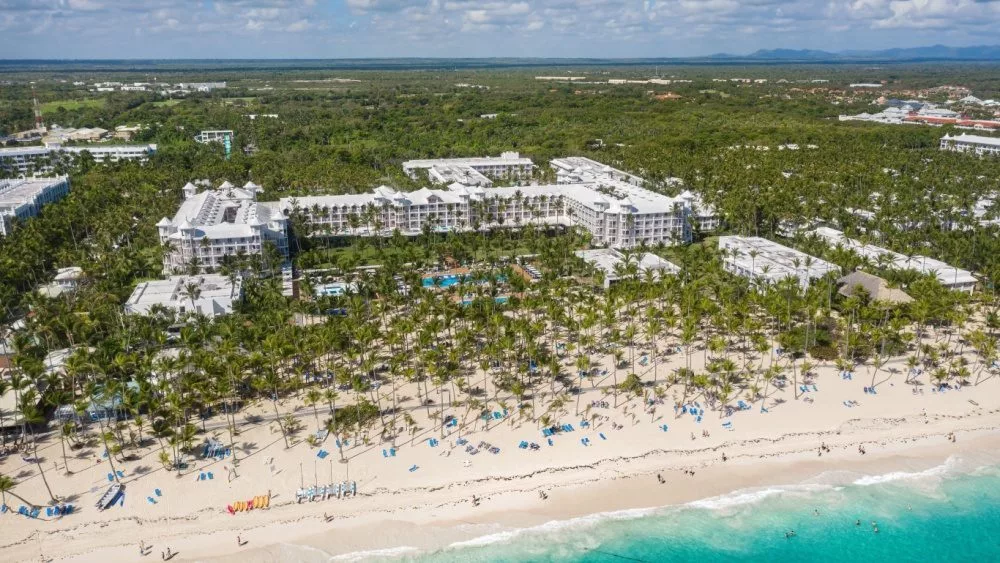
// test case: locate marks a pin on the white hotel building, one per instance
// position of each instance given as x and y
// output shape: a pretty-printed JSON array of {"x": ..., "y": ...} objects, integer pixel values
[
  {"x": 767, "y": 262},
  {"x": 22, "y": 198},
  {"x": 476, "y": 171},
  {"x": 608, "y": 203},
  {"x": 949, "y": 276},
  {"x": 219, "y": 222},
  {"x": 205, "y": 294},
  {"x": 27, "y": 160},
  {"x": 971, "y": 143},
  {"x": 618, "y": 213}
]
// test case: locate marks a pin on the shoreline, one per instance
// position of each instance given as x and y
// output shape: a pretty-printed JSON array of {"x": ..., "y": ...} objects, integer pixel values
[{"x": 409, "y": 527}]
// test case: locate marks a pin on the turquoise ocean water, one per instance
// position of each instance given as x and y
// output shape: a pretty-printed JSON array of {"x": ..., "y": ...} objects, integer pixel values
[
  {"x": 950, "y": 512},
  {"x": 946, "y": 513}
]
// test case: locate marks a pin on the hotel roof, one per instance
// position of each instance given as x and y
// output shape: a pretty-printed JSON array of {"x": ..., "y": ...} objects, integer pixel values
[
  {"x": 225, "y": 212},
  {"x": 945, "y": 273},
  {"x": 977, "y": 139},
  {"x": 19, "y": 191},
  {"x": 780, "y": 261},
  {"x": 170, "y": 292},
  {"x": 508, "y": 158}
]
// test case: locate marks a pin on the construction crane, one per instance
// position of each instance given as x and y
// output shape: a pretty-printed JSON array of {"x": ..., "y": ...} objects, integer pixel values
[{"x": 39, "y": 124}]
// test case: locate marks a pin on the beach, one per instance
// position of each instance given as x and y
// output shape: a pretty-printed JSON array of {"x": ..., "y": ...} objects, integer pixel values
[{"x": 420, "y": 501}]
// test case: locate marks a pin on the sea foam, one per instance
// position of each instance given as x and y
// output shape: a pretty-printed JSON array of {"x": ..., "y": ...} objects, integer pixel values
[
  {"x": 951, "y": 465},
  {"x": 556, "y": 525}
]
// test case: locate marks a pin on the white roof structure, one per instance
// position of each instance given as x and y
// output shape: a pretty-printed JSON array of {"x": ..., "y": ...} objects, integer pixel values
[
  {"x": 608, "y": 260},
  {"x": 206, "y": 294},
  {"x": 24, "y": 197},
  {"x": 580, "y": 169},
  {"x": 766, "y": 261},
  {"x": 974, "y": 139},
  {"x": 223, "y": 213},
  {"x": 473, "y": 170},
  {"x": 949, "y": 276}
]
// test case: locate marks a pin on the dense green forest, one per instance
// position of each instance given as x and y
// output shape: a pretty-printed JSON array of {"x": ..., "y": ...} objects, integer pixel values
[{"x": 347, "y": 131}]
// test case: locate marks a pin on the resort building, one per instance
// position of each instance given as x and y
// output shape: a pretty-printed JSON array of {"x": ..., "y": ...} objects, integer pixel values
[
  {"x": 67, "y": 280},
  {"x": 583, "y": 170},
  {"x": 949, "y": 276},
  {"x": 205, "y": 294},
  {"x": 766, "y": 262},
  {"x": 217, "y": 223},
  {"x": 42, "y": 160},
  {"x": 971, "y": 143},
  {"x": 22, "y": 198},
  {"x": 472, "y": 171},
  {"x": 214, "y": 136},
  {"x": 613, "y": 264},
  {"x": 607, "y": 203},
  {"x": 200, "y": 86}
]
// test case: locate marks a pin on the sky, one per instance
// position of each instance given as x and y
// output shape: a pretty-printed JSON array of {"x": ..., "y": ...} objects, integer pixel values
[{"x": 116, "y": 29}]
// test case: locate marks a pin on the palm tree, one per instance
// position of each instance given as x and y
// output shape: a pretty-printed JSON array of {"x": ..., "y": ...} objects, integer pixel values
[{"x": 7, "y": 485}]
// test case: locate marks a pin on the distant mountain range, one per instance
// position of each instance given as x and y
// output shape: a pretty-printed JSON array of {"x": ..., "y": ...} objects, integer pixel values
[{"x": 934, "y": 52}]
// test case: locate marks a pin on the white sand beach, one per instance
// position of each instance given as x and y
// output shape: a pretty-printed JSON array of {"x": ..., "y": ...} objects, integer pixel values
[{"x": 431, "y": 507}]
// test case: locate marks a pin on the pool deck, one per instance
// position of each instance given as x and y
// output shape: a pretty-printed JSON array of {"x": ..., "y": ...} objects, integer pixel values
[{"x": 461, "y": 270}]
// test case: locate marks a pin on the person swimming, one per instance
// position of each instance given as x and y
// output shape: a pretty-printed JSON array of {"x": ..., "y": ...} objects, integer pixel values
[{"x": 789, "y": 534}]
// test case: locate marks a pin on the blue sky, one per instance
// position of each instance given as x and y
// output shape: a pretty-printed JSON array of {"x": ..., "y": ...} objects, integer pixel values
[{"x": 460, "y": 28}]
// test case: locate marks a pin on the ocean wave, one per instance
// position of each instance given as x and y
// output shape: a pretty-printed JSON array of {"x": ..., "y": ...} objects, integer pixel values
[
  {"x": 751, "y": 496},
  {"x": 952, "y": 465},
  {"x": 375, "y": 553},
  {"x": 554, "y": 526},
  {"x": 832, "y": 481}
]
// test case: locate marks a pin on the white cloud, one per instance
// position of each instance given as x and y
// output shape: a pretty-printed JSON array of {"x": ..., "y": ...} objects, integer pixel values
[{"x": 87, "y": 28}]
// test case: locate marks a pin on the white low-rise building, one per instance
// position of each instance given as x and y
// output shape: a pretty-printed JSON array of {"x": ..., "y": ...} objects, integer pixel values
[
  {"x": 21, "y": 198},
  {"x": 767, "y": 262},
  {"x": 583, "y": 170},
  {"x": 42, "y": 160},
  {"x": 200, "y": 86},
  {"x": 210, "y": 295},
  {"x": 971, "y": 143},
  {"x": 220, "y": 222},
  {"x": 613, "y": 263},
  {"x": 214, "y": 136},
  {"x": 67, "y": 280},
  {"x": 472, "y": 171},
  {"x": 951, "y": 277}
]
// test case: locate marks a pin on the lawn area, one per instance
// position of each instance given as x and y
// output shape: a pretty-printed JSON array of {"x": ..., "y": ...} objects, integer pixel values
[
  {"x": 166, "y": 103},
  {"x": 72, "y": 105}
]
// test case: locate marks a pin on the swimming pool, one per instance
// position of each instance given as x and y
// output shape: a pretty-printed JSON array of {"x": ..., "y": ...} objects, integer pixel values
[
  {"x": 332, "y": 289},
  {"x": 499, "y": 300},
  {"x": 452, "y": 279}
]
